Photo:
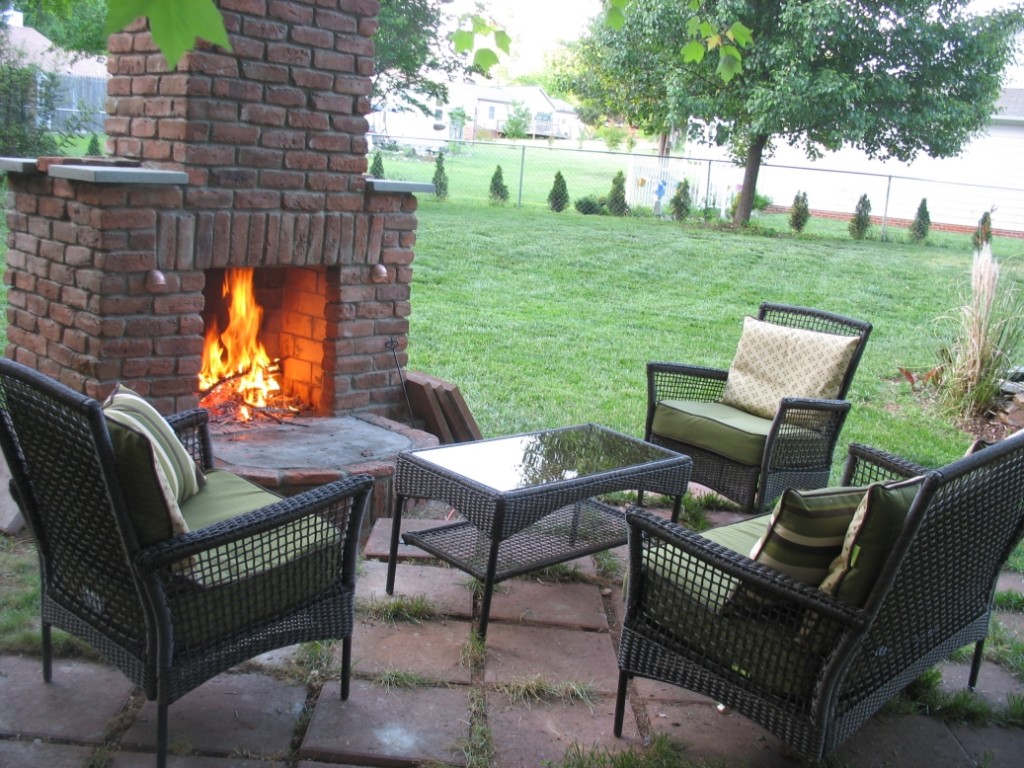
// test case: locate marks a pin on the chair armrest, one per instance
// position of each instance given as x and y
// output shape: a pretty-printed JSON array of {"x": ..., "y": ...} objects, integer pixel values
[
  {"x": 342, "y": 503},
  {"x": 865, "y": 465},
  {"x": 193, "y": 429},
  {"x": 715, "y": 562},
  {"x": 678, "y": 381}
]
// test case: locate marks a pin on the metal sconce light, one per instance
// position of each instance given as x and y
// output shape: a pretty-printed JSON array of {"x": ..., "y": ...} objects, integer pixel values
[
  {"x": 156, "y": 281},
  {"x": 379, "y": 273}
]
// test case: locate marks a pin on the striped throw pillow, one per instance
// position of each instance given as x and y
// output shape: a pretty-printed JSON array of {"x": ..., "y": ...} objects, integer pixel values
[{"x": 806, "y": 531}]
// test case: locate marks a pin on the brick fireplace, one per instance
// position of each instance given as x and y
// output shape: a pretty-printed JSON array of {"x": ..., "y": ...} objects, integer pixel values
[{"x": 250, "y": 158}]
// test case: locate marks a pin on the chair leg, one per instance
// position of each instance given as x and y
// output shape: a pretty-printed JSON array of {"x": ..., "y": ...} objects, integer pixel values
[
  {"x": 47, "y": 653},
  {"x": 620, "y": 702},
  {"x": 346, "y": 661},
  {"x": 979, "y": 653},
  {"x": 161, "y": 734}
]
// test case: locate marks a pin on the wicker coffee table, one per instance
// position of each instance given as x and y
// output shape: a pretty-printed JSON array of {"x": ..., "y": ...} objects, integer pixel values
[{"x": 527, "y": 501}]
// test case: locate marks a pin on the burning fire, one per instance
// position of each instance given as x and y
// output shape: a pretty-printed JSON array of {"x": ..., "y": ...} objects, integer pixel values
[{"x": 235, "y": 363}]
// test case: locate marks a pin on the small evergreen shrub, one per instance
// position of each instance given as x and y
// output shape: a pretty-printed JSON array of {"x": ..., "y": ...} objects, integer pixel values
[
  {"x": 861, "y": 221},
  {"x": 499, "y": 192},
  {"x": 589, "y": 205},
  {"x": 759, "y": 203},
  {"x": 377, "y": 166},
  {"x": 983, "y": 234},
  {"x": 440, "y": 178},
  {"x": 93, "y": 150},
  {"x": 558, "y": 197},
  {"x": 617, "y": 205},
  {"x": 680, "y": 202},
  {"x": 800, "y": 213},
  {"x": 921, "y": 224}
]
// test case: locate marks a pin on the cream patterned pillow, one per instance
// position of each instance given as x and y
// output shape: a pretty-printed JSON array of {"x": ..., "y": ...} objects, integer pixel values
[{"x": 775, "y": 361}]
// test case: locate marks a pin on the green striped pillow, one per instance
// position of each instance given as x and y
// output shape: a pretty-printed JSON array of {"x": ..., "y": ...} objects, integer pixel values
[{"x": 806, "y": 532}]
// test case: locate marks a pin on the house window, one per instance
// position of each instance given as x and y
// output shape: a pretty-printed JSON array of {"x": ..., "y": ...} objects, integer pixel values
[{"x": 490, "y": 113}]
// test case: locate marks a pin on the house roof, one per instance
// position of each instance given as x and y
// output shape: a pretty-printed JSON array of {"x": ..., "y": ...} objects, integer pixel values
[{"x": 40, "y": 50}]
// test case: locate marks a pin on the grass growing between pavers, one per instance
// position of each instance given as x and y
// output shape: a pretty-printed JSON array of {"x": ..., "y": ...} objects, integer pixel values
[
  {"x": 413, "y": 609},
  {"x": 925, "y": 696}
]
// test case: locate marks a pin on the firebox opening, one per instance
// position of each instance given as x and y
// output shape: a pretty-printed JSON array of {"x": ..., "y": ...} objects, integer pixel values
[{"x": 283, "y": 316}]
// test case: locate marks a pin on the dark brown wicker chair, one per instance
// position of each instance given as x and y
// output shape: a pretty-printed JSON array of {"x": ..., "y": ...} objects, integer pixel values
[
  {"x": 801, "y": 440},
  {"x": 278, "y": 575},
  {"x": 807, "y": 667}
]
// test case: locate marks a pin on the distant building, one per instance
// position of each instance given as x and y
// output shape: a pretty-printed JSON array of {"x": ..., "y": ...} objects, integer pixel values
[{"x": 83, "y": 78}]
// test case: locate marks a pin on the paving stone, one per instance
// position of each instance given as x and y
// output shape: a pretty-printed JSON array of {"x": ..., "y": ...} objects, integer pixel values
[
  {"x": 995, "y": 684},
  {"x": 558, "y": 655},
  {"x": 991, "y": 747},
  {"x": 148, "y": 760},
  {"x": 249, "y": 712},
  {"x": 886, "y": 741},
  {"x": 378, "y": 545},
  {"x": 76, "y": 706},
  {"x": 399, "y": 727},
  {"x": 575, "y": 605},
  {"x": 40, "y": 753},
  {"x": 446, "y": 588},
  {"x": 430, "y": 649},
  {"x": 1010, "y": 580},
  {"x": 536, "y": 735},
  {"x": 657, "y": 691}
]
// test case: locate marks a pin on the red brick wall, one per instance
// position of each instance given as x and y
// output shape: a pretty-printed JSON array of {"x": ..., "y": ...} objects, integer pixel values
[{"x": 272, "y": 139}]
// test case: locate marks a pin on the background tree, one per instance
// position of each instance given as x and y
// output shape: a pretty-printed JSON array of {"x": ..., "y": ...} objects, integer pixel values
[
  {"x": 75, "y": 25},
  {"x": 498, "y": 192},
  {"x": 558, "y": 197},
  {"x": 861, "y": 221},
  {"x": 517, "y": 124},
  {"x": 440, "y": 179},
  {"x": 800, "y": 213},
  {"x": 377, "y": 166},
  {"x": 921, "y": 224},
  {"x": 680, "y": 201},
  {"x": 894, "y": 79},
  {"x": 616, "y": 204}
]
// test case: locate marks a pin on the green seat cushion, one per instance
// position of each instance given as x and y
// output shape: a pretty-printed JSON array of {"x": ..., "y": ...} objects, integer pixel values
[
  {"x": 716, "y": 427},
  {"x": 226, "y": 495}
]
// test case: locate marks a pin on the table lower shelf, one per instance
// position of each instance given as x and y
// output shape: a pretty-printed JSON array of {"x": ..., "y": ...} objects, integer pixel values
[{"x": 570, "y": 532}]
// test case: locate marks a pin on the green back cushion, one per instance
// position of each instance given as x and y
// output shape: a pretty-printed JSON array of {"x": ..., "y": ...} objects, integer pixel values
[
  {"x": 775, "y": 361},
  {"x": 869, "y": 540},
  {"x": 806, "y": 532}
]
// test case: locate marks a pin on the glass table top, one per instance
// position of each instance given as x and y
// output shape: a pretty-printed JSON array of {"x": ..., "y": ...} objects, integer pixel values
[{"x": 524, "y": 461}]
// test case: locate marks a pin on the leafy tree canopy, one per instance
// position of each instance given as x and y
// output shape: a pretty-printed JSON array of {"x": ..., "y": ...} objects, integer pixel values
[{"x": 75, "y": 25}]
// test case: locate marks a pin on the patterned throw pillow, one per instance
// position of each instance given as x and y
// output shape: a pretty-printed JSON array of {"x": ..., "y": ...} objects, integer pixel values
[
  {"x": 774, "y": 361},
  {"x": 156, "y": 471},
  {"x": 869, "y": 540},
  {"x": 806, "y": 531}
]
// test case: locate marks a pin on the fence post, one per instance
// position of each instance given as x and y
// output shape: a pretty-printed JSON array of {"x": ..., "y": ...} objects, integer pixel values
[
  {"x": 522, "y": 169},
  {"x": 707, "y": 188},
  {"x": 885, "y": 211}
]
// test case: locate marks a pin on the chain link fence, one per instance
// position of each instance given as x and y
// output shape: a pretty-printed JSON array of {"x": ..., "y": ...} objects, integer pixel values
[{"x": 528, "y": 170}]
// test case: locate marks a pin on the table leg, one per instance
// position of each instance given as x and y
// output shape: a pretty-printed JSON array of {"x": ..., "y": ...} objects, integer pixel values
[
  {"x": 396, "y": 528},
  {"x": 676, "y": 506},
  {"x": 485, "y": 607}
]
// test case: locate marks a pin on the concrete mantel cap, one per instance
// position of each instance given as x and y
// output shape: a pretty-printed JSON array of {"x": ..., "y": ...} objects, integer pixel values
[
  {"x": 117, "y": 175},
  {"x": 408, "y": 187}
]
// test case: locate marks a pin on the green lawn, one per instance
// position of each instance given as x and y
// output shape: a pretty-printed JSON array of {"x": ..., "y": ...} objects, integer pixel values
[{"x": 545, "y": 320}]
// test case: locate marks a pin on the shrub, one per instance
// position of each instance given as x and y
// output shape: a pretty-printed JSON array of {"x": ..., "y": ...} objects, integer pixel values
[
  {"x": 612, "y": 136},
  {"x": 983, "y": 234},
  {"x": 589, "y": 205},
  {"x": 617, "y": 205},
  {"x": 921, "y": 224},
  {"x": 987, "y": 339},
  {"x": 558, "y": 197},
  {"x": 800, "y": 213},
  {"x": 93, "y": 150},
  {"x": 377, "y": 166},
  {"x": 440, "y": 178},
  {"x": 499, "y": 192},
  {"x": 759, "y": 203},
  {"x": 679, "y": 203},
  {"x": 861, "y": 221}
]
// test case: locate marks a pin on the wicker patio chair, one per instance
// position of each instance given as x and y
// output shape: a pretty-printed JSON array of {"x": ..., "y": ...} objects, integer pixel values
[
  {"x": 746, "y": 457},
  {"x": 808, "y": 666},
  {"x": 172, "y": 613}
]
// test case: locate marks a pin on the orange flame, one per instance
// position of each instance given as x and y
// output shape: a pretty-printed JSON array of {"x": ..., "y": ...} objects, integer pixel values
[{"x": 237, "y": 353}]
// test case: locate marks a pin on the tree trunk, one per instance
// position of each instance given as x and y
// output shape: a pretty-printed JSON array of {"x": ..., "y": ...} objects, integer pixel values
[
  {"x": 663, "y": 144},
  {"x": 750, "y": 171}
]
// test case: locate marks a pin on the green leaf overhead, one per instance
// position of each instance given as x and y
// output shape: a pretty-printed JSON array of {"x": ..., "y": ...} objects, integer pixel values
[{"x": 174, "y": 24}]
